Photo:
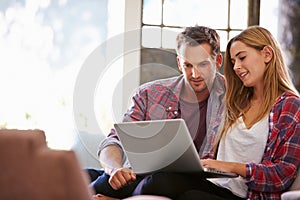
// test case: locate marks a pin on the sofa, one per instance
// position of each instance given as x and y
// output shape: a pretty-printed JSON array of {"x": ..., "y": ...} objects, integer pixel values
[
  {"x": 30, "y": 170},
  {"x": 294, "y": 191}
]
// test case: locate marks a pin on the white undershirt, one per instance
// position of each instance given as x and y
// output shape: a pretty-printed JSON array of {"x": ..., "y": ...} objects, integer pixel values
[{"x": 242, "y": 145}]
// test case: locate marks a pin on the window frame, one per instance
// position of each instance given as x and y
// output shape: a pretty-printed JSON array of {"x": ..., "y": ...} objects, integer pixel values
[{"x": 253, "y": 18}]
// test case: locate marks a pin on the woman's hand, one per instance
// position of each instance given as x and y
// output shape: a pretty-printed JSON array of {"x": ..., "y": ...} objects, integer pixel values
[
  {"x": 121, "y": 177},
  {"x": 238, "y": 168}
]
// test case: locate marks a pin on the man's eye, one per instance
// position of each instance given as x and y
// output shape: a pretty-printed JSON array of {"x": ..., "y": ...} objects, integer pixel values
[
  {"x": 204, "y": 64},
  {"x": 188, "y": 65}
]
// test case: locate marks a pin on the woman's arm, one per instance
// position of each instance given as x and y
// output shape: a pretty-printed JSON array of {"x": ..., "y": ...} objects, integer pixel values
[{"x": 279, "y": 165}]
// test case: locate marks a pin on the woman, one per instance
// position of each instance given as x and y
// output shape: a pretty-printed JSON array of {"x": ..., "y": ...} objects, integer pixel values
[{"x": 260, "y": 135}]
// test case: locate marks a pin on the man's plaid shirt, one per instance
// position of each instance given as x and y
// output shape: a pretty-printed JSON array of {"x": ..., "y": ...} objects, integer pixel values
[{"x": 160, "y": 100}]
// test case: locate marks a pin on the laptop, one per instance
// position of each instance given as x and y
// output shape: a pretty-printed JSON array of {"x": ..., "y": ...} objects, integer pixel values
[{"x": 162, "y": 145}]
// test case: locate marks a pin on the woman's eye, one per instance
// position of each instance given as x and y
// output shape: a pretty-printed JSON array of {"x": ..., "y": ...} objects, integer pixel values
[{"x": 242, "y": 58}]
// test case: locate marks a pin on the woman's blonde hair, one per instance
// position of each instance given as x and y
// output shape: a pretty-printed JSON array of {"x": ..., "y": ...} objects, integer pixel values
[{"x": 276, "y": 77}]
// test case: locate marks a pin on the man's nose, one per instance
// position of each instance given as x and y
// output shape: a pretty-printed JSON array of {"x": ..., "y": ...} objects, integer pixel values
[{"x": 195, "y": 72}]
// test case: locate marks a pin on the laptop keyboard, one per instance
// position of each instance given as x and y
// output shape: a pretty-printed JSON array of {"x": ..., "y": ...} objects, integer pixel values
[{"x": 214, "y": 171}]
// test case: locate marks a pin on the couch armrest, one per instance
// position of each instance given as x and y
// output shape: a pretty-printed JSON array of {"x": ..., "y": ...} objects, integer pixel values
[
  {"x": 296, "y": 184},
  {"x": 291, "y": 195}
]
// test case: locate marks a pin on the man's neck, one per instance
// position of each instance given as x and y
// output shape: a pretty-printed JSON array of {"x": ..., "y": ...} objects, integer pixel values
[{"x": 189, "y": 95}]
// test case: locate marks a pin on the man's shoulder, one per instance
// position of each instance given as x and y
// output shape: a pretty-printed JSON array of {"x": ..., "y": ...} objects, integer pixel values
[{"x": 220, "y": 77}]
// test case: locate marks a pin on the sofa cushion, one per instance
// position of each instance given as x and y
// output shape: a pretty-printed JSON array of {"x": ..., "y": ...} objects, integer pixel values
[
  {"x": 30, "y": 170},
  {"x": 291, "y": 195}
]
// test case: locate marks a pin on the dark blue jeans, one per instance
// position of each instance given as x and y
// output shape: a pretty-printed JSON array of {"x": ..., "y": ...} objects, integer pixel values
[
  {"x": 181, "y": 186},
  {"x": 99, "y": 182}
]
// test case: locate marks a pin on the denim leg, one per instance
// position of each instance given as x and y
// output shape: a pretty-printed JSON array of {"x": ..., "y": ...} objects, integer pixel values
[
  {"x": 94, "y": 173},
  {"x": 99, "y": 181},
  {"x": 175, "y": 185}
]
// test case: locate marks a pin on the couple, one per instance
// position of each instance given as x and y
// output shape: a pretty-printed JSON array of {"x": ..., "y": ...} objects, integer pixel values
[{"x": 253, "y": 129}]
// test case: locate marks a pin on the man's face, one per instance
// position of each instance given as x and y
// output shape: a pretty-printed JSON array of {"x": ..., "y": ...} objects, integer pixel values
[{"x": 198, "y": 66}]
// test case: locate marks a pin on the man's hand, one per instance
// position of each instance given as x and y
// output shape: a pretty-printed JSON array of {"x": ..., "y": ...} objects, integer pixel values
[
  {"x": 111, "y": 160},
  {"x": 121, "y": 177}
]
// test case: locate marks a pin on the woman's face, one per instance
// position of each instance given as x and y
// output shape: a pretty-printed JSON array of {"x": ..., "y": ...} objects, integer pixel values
[{"x": 248, "y": 64}]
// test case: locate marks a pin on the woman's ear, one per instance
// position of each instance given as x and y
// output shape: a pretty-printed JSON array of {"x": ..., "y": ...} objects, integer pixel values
[{"x": 268, "y": 53}]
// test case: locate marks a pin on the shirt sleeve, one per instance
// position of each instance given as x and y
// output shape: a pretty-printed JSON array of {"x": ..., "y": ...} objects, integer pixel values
[
  {"x": 138, "y": 110},
  {"x": 135, "y": 113},
  {"x": 112, "y": 139}
]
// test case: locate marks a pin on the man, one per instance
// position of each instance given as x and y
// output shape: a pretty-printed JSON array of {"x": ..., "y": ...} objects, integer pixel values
[{"x": 196, "y": 96}]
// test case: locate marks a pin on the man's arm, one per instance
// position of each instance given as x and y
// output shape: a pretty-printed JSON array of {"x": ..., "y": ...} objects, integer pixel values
[
  {"x": 112, "y": 156},
  {"x": 111, "y": 160}
]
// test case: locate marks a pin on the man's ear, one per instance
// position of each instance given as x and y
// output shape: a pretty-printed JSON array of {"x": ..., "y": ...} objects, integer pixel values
[
  {"x": 219, "y": 61},
  {"x": 267, "y": 53},
  {"x": 179, "y": 64}
]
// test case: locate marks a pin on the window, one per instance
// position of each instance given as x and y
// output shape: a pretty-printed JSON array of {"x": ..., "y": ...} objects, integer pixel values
[
  {"x": 43, "y": 45},
  {"x": 163, "y": 19}
]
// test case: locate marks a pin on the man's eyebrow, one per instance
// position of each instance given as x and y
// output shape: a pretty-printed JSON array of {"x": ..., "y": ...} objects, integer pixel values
[{"x": 204, "y": 61}]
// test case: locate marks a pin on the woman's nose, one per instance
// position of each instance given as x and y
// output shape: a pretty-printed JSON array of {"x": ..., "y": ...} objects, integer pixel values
[{"x": 236, "y": 66}]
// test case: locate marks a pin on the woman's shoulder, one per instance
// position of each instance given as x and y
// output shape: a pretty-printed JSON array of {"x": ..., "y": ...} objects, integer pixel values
[
  {"x": 288, "y": 97},
  {"x": 288, "y": 102}
]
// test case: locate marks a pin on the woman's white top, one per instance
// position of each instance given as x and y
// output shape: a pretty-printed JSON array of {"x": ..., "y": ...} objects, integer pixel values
[{"x": 242, "y": 145}]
